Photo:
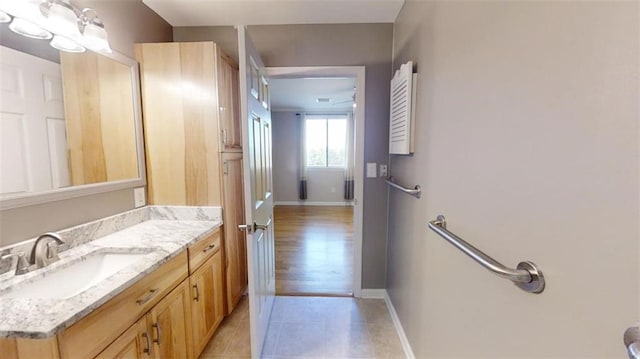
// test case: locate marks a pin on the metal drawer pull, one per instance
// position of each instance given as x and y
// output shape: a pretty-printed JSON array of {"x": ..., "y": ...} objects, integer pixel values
[
  {"x": 209, "y": 247},
  {"x": 158, "y": 332},
  {"x": 148, "y": 297},
  {"x": 527, "y": 276},
  {"x": 197, "y": 297},
  {"x": 147, "y": 350}
]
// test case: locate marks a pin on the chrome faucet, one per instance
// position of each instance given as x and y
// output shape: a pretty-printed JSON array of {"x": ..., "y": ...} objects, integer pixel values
[{"x": 42, "y": 254}]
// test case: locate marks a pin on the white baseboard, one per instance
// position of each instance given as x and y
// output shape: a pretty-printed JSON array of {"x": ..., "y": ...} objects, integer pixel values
[
  {"x": 373, "y": 293},
  {"x": 307, "y": 203},
  {"x": 396, "y": 322}
]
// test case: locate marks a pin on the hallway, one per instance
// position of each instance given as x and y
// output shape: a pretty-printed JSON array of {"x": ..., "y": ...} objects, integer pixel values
[{"x": 314, "y": 250}]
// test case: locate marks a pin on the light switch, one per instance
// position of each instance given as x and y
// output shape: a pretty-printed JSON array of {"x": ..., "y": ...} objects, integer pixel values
[
  {"x": 372, "y": 170},
  {"x": 139, "y": 199}
]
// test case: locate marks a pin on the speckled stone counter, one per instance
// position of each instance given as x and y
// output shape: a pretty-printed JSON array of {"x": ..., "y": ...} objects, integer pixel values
[{"x": 158, "y": 233}]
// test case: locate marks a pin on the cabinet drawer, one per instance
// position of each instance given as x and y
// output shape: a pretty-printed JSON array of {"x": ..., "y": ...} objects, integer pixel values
[
  {"x": 92, "y": 334},
  {"x": 203, "y": 249}
]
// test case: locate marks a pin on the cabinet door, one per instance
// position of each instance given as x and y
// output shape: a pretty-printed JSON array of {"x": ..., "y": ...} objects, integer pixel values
[
  {"x": 135, "y": 343},
  {"x": 229, "y": 105},
  {"x": 178, "y": 82},
  {"x": 169, "y": 325},
  {"x": 207, "y": 309},
  {"x": 234, "y": 240}
]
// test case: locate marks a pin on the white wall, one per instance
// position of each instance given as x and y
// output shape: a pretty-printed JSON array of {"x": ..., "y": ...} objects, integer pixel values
[
  {"x": 325, "y": 185},
  {"x": 527, "y": 131}
]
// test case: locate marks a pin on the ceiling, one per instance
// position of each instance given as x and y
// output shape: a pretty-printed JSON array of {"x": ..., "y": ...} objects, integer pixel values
[
  {"x": 300, "y": 94},
  {"x": 273, "y": 12}
]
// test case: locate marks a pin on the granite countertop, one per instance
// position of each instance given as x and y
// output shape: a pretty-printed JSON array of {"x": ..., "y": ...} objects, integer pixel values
[{"x": 158, "y": 234}]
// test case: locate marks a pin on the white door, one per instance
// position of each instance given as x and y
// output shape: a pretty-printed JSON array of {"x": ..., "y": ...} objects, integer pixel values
[
  {"x": 256, "y": 135},
  {"x": 32, "y": 127}
]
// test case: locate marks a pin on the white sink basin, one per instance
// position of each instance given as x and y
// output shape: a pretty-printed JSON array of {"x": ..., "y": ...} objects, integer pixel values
[{"x": 75, "y": 278}]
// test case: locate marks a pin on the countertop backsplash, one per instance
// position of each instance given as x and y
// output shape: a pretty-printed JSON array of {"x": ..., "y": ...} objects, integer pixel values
[{"x": 86, "y": 232}]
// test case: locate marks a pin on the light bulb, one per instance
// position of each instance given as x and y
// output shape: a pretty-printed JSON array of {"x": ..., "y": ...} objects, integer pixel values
[
  {"x": 63, "y": 20},
  {"x": 65, "y": 44},
  {"x": 28, "y": 29},
  {"x": 96, "y": 38}
]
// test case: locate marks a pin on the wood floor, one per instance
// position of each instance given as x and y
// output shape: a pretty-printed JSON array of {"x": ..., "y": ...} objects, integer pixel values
[{"x": 314, "y": 250}]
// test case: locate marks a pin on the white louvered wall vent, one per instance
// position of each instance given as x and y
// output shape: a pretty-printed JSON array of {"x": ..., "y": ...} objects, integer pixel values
[{"x": 402, "y": 112}]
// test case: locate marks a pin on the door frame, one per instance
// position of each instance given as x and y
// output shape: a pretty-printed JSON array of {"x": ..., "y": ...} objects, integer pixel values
[{"x": 357, "y": 72}]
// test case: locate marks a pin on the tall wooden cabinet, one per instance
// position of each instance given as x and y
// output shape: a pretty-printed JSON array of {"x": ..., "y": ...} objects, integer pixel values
[
  {"x": 193, "y": 140},
  {"x": 236, "y": 275},
  {"x": 229, "y": 104}
]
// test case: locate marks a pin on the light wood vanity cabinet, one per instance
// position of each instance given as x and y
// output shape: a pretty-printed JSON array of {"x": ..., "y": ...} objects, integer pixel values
[
  {"x": 170, "y": 313},
  {"x": 193, "y": 141},
  {"x": 207, "y": 306},
  {"x": 134, "y": 343},
  {"x": 181, "y": 324},
  {"x": 164, "y": 332},
  {"x": 169, "y": 324},
  {"x": 207, "y": 290},
  {"x": 88, "y": 337}
]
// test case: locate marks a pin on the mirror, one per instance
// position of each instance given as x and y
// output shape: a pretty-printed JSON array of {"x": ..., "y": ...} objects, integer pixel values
[{"x": 70, "y": 123}]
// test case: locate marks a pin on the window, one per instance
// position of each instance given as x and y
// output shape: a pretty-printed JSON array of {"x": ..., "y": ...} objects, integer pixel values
[{"x": 325, "y": 141}]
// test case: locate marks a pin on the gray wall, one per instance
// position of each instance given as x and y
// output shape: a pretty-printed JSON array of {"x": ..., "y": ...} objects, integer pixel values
[
  {"x": 324, "y": 184},
  {"x": 286, "y": 155},
  {"x": 127, "y": 22},
  {"x": 527, "y": 140},
  {"x": 224, "y": 36},
  {"x": 336, "y": 45}
]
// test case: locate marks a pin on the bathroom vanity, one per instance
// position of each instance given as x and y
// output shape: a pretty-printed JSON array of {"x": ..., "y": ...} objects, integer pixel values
[{"x": 146, "y": 283}]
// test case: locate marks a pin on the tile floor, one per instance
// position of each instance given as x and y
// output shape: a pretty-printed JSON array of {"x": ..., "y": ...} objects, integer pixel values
[{"x": 312, "y": 327}]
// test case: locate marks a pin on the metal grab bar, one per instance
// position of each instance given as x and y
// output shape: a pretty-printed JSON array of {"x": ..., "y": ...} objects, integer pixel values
[
  {"x": 632, "y": 342},
  {"x": 527, "y": 276},
  {"x": 415, "y": 191}
]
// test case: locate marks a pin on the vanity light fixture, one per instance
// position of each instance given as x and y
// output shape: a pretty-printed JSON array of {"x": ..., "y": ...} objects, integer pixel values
[
  {"x": 29, "y": 29},
  {"x": 61, "y": 18},
  {"x": 66, "y": 44},
  {"x": 94, "y": 32},
  {"x": 4, "y": 17},
  {"x": 73, "y": 29}
]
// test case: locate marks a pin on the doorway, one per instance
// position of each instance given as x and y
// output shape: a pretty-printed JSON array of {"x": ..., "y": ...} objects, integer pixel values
[{"x": 318, "y": 212}]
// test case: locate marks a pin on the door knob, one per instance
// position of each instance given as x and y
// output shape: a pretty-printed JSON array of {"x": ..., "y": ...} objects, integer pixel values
[
  {"x": 254, "y": 227},
  {"x": 261, "y": 226}
]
